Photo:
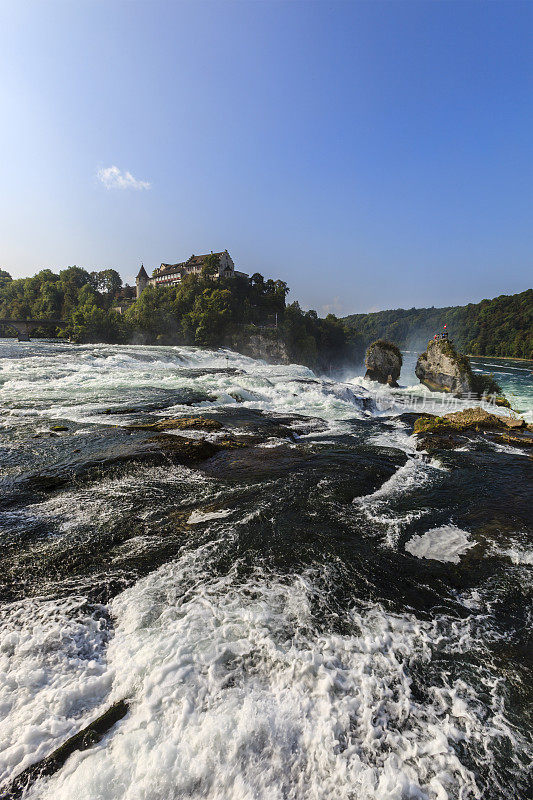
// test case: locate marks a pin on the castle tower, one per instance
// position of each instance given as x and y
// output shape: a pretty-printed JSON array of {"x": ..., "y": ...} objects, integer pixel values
[{"x": 141, "y": 281}]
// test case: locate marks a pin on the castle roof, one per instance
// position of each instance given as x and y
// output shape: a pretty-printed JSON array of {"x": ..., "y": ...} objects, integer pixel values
[
  {"x": 170, "y": 268},
  {"x": 142, "y": 273},
  {"x": 196, "y": 260},
  {"x": 183, "y": 266}
]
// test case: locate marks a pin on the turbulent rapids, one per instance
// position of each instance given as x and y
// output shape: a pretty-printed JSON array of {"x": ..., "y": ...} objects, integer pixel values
[{"x": 294, "y": 603}]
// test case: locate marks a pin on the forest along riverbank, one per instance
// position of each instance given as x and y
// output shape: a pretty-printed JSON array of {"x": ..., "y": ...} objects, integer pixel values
[{"x": 292, "y": 601}]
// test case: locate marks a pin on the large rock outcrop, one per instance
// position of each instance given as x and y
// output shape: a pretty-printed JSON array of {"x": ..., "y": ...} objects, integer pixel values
[
  {"x": 383, "y": 362},
  {"x": 442, "y": 369},
  {"x": 267, "y": 346}
]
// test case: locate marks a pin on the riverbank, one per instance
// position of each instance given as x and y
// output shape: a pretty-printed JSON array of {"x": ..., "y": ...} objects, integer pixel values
[{"x": 503, "y": 358}]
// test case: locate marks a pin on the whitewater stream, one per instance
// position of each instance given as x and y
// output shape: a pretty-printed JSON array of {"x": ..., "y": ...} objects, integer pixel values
[{"x": 323, "y": 614}]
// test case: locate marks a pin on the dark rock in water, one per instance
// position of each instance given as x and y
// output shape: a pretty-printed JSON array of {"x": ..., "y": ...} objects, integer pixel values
[
  {"x": 185, "y": 451},
  {"x": 143, "y": 402},
  {"x": 409, "y": 417},
  {"x": 519, "y": 439},
  {"x": 233, "y": 444},
  {"x": 193, "y": 451},
  {"x": 452, "y": 430},
  {"x": 353, "y": 472},
  {"x": 291, "y": 425},
  {"x": 125, "y": 410},
  {"x": 177, "y": 397},
  {"x": 111, "y": 448},
  {"x": 85, "y": 738},
  {"x": 502, "y": 401},
  {"x": 181, "y": 423},
  {"x": 515, "y": 422},
  {"x": 189, "y": 397},
  {"x": 469, "y": 419},
  {"x": 383, "y": 362},
  {"x": 437, "y": 442},
  {"x": 128, "y": 450},
  {"x": 199, "y": 371}
]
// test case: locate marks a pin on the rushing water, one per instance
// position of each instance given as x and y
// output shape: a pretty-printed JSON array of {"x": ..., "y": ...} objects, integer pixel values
[{"x": 323, "y": 614}]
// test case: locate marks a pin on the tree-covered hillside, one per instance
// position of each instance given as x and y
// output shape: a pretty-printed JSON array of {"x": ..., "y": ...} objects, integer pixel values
[
  {"x": 198, "y": 311},
  {"x": 499, "y": 327}
]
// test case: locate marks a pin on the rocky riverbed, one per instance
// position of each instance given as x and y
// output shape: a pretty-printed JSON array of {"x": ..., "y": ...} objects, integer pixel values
[{"x": 222, "y": 578}]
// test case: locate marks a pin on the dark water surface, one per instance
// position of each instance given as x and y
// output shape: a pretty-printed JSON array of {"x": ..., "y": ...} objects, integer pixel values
[{"x": 325, "y": 613}]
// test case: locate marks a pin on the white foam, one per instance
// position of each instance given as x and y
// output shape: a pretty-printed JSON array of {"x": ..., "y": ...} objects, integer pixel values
[
  {"x": 52, "y": 674},
  {"x": 90, "y": 376},
  {"x": 517, "y": 548},
  {"x": 74, "y": 386},
  {"x": 198, "y": 516},
  {"x": 236, "y": 693},
  {"x": 418, "y": 398},
  {"x": 377, "y": 506},
  {"x": 518, "y": 555},
  {"x": 448, "y": 543},
  {"x": 240, "y": 689},
  {"x": 506, "y": 448},
  {"x": 412, "y": 474}
]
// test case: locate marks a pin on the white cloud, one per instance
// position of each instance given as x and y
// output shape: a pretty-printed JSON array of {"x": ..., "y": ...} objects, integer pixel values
[
  {"x": 114, "y": 178},
  {"x": 335, "y": 307}
]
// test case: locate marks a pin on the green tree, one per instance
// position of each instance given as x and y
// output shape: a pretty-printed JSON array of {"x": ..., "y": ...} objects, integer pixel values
[
  {"x": 210, "y": 266},
  {"x": 89, "y": 323},
  {"x": 108, "y": 282},
  {"x": 211, "y": 316},
  {"x": 502, "y": 326},
  {"x": 5, "y": 278},
  {"x": 71, "y": 280},
  {"x": 153, "y": 315}
]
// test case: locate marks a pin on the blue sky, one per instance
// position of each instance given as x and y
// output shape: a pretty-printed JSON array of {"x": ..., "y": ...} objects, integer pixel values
[{"x": 372, "y": 154}]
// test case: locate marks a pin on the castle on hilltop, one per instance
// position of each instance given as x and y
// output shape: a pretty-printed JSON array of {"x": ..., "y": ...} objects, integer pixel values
[{"x": 172, "y": 274}]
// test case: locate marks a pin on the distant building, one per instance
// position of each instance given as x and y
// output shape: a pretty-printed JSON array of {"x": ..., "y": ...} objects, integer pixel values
[
  {"x": 172, "y": 274},
  {"x": 141, "y": 281}
]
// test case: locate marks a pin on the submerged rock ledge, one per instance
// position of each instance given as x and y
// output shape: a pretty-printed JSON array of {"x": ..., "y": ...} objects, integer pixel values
[{"x": 451, "y": 430}]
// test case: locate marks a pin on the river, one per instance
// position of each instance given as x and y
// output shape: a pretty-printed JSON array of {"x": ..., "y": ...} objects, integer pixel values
[{"x": 324, "y": 613}]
